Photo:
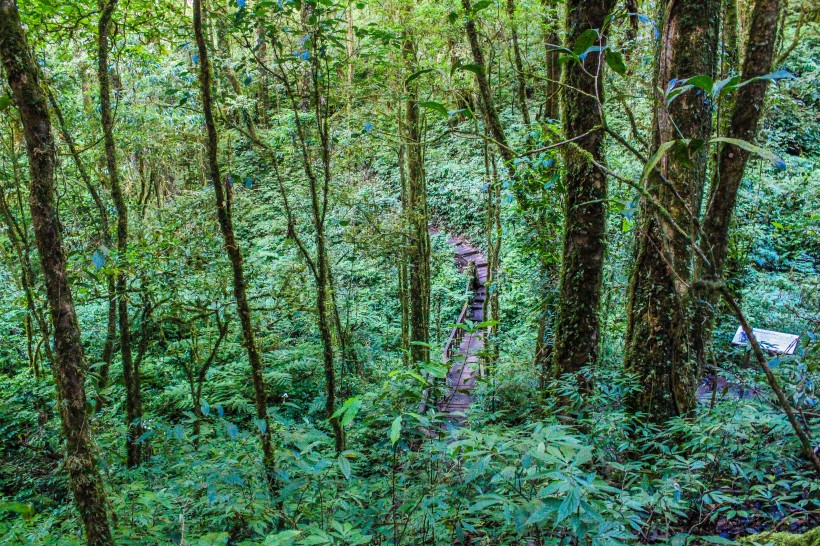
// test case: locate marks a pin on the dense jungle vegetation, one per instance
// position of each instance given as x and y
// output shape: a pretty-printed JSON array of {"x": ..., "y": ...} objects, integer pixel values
[{"x": 409, "y": 272}]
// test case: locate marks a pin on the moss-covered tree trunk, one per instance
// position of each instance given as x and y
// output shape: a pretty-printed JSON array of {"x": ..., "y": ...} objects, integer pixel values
[
  {"x": 416, "y": 216},
  {"x": 576, "y": 323},
  {"x": 731, "y": 163},
  {"x": 658, "y": 345},
  {"x": 224, "y": 216},
  {"x": 80, "y": 462}
]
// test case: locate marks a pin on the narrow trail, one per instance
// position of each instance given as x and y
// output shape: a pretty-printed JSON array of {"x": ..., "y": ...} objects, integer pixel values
[{"x": 463, "y": 349}]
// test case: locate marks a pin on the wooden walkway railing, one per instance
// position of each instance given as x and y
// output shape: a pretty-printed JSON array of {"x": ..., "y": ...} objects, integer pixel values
[{"x": 463, "y": 348}]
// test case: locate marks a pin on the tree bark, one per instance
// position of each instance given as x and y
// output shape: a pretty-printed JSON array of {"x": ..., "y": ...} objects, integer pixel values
[
  {"x": 551, "y": 39},
  {"x": 19, "y": 241},
  {"x": 521, "y": 80},
  {"x": 731, "y": 163},
  {"x": 80, "y": 462},
  {"x": 577, "y": 322},
  {"x": 223, "y": 212},
  {"x": 487, "y": 104},
  {"x": 658, "y": 347},
  {"x": 105, "y": 237},
  {"x": 131, "y": 374},
  {"x": 416, "y": 217}
]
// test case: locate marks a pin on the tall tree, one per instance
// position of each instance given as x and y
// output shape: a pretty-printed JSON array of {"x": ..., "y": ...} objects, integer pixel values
[
  {"x": 576, "y": 323},
  {"x": 659, "y": 310},
  {"x": 415, "y": 204},
  {"x": 225, "y": 218},
  {"x": 731, "y": 163},
  {"x": 131, "y": 373},
  {"x": 80, "y": 461}
]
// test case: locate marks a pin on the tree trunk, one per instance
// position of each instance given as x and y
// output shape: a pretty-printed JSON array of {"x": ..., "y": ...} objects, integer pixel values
[
  {"x": 418, "y": 248},
  {"x": 488, "y": 109},
  {"x": 731, "y": 164},
  {"x": 105, "y": 237},
  {"x": 521, "y": 80},
  {"x": 84, "y": 477},
  {"x": 577, "y": 322},
  {"x": 131, "y": 373},
  {"x": 553, "y": 69},
  {"x": 659, "y": 310},
  {"x": 19, "y": 241},
  {"x": 223, "y": 212}
]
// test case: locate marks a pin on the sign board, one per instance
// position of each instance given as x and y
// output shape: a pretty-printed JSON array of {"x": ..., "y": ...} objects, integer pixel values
[{"x": 774, "y": 342}]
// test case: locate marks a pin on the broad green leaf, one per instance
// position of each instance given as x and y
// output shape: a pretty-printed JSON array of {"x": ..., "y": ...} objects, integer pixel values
[
  {"x": 725, "y": 85},
  {"x": 344, "y": 466},
  {"x": 615, "y": 61},
  {"x": 715, "y": 539},
  {"x": 777, "y": 75},
  {"x": 701, "y": 82},
  {"x": 778, "y": 163},
  {"x": 472, "y": 67},
  {"x": 285, "y": 538},
  {"x": 480, "y": 5},
  {"x": 213, "y": 539},
  {"x": 395, "y": 430},
  {"x": 585, "y": 40},
  {"x": 418, "y": 74},
  {"x": 656, "y": 157},
  {"x": 26, "y": 511},
  {"x": 436, "y": 107},
  {"x": 569, "y": 505}
]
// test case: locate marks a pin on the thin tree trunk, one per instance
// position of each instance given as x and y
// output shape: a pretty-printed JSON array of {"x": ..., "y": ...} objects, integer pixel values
[
  {"x": 491, "y": 118},
  {"x": 404, "y": 272},
  {"x": 805, "y": 441},
  {"x": 658, "y": 347},
  {"x": 223, "y": 211},
  {"x": 263, "y": 94},
  {"x": 577, "y": 321},
  {"x": 80, "y": 462},
  {"x": 731, "y": 163},
  {"x": 131, "y": 373},
  {"x": 553, "y": 68},
  {"x": 20, "y": 243},
  {"x": 105, "y": 238},
  {"x": 521, "y": 80}
]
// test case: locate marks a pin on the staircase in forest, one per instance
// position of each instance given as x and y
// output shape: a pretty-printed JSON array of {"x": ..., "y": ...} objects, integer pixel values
[{"x": 463, "y": 348}]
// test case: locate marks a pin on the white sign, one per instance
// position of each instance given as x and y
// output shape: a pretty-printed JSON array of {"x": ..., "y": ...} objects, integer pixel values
[{"x": 774, "y": 342}]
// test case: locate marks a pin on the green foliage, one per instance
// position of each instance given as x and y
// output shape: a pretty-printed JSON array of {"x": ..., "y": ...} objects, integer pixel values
[{"x": 530, "y": 465}]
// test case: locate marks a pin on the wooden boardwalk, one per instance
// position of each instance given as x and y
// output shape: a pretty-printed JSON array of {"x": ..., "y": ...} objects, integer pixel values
[{"x": 463, "y": 348}]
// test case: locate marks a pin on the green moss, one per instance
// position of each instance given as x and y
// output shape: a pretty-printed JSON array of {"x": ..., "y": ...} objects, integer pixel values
[{"x": 811, "y": 538}]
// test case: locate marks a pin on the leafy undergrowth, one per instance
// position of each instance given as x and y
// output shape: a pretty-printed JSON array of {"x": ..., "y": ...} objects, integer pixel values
[{"x": 730, "y": 471}]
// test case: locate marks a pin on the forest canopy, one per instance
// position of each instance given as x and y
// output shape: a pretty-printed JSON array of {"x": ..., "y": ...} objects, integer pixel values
[{"x": 408, "y": 272}]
